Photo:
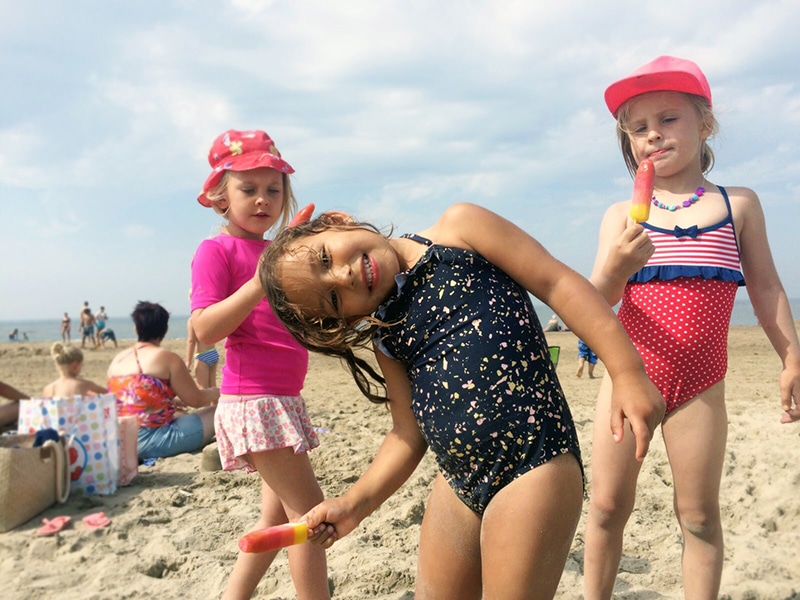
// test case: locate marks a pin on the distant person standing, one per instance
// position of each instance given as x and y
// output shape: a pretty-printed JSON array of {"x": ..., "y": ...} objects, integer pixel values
[
  {"x": 87, "y": 325},
  {"x": 585, "y": 355},
  {"x": 66, "y": 329},
  {"x": 100, "y": 320}
]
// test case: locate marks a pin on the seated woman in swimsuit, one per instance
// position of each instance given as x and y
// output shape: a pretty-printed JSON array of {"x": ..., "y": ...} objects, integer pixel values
[{"x": 147, "y": 379}]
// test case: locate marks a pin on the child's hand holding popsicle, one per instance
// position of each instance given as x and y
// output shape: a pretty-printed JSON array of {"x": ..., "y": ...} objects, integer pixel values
[{"x": 281, "y": 536}]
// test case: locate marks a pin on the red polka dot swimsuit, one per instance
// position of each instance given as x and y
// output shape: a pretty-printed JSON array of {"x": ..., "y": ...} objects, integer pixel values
[{"x": 677, "y": 308}]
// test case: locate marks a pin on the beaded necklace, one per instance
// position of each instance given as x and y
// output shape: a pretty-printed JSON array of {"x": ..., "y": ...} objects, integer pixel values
[{"x": 685, "y": 204}]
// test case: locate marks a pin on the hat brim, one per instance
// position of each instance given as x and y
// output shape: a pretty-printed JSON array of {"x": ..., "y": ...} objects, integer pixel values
[
  {"x": 242, "y": 162},
  {"x": 620, "y": 92}
]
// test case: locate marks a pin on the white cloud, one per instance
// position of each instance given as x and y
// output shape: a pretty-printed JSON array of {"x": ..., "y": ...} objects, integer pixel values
[{"x": 389, "y": 109}]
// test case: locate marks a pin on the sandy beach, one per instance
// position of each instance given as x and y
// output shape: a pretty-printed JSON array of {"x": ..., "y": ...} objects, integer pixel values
[{"x": 174, "y": 529}]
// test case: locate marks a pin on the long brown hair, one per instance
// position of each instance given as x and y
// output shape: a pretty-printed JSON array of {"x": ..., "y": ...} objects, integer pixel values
[{"x": 332, "y": 336}]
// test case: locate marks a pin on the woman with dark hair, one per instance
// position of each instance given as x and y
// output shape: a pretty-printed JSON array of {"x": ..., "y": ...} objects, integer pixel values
[{"x": 147, "y": 379}]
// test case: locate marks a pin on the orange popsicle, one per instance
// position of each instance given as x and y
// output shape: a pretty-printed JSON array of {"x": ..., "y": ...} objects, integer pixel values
[
  {"x": 643, "y": 191},
  {"x": 302, "y": 216},
  {"x": 272, "y": 538}
]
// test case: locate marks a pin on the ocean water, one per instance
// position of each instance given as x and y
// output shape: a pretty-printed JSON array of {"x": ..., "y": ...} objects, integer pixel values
[{"x": 49, "y": 330}]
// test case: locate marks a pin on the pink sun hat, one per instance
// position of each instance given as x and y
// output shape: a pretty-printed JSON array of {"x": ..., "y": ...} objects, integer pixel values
[
  {"x": 241, "y": 151},
  {"x": 664, "y": 74}
]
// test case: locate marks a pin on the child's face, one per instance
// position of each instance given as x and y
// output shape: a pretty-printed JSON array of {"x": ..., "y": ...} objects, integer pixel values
[
  {"x": 666, "y": 127},
  {"x": 342, "y": 273},
  {"x": 254, "y": 200}
]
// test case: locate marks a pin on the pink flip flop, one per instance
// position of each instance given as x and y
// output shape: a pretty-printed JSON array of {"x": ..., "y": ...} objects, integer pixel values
[
  {"x": 53, "y": 526},
  {"x": 96, "y": 520}
]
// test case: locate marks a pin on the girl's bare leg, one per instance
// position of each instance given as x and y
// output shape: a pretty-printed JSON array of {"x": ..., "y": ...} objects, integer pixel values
[
  {"x": 614, "y": 474},
  {"x": 517, "y": 551},
  {"x": 528, "y": 529},
  {"x": 292, "y": 479},
  {"x": 449, "y": 563},
  {"x": 695, "y": 436},
  {"x": 202, "y": 374},
  {"x": 250, "y": 568},
  {"x": 289, "y": 489}
]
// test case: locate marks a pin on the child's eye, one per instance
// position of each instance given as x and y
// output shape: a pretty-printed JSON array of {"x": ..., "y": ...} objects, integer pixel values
[
  {"x": 324, "y": 258},
  {"x": 335, "y": 301},
  {"x": 273, "y": 191}
]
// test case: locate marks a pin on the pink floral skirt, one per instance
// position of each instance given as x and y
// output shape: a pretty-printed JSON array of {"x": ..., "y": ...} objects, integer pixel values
[{"x": 246, "y": 424}]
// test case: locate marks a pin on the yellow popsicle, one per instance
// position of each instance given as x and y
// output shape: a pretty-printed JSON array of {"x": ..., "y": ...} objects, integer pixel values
[
  {"x": 643, "y": 191},
  {"x": 272, "y": 538}
]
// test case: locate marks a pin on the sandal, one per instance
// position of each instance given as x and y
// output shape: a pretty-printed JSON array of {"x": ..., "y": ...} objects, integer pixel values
[
  {"x": 96, "y": 520},
  {"x": 53, "y": 526}
]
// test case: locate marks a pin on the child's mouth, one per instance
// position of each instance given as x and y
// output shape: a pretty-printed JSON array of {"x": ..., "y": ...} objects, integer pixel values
[{"x": 369, "y": 273}]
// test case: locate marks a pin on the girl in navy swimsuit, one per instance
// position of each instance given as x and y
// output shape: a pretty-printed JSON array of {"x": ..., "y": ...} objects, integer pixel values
[
  {"x": 466, "y": 372},
  {"x": 677, "y": 275}
]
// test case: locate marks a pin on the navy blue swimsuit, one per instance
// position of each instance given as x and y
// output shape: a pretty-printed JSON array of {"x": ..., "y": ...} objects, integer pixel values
[{"x": 484, "y": 391}]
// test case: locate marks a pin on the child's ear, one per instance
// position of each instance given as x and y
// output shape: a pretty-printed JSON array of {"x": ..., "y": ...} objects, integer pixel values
[
  {"x": 220, "y": 205},
  {"x": 336, "y": 217}
]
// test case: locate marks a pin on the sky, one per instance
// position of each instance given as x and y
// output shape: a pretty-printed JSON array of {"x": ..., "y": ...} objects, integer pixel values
[{"x": 390, "y": 110}]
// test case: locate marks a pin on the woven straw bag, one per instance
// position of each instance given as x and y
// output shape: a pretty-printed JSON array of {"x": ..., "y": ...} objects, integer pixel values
[{"x": 31, "y": 479}]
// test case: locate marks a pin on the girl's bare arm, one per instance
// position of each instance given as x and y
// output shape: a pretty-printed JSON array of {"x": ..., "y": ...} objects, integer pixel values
[
  {"x": 576, "y": 301},
  {"x": 766, "y": 292}
]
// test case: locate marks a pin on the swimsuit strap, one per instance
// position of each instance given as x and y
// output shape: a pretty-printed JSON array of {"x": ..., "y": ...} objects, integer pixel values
[
  {"x": 417, "y": 238},
  {"x": 138, "y": 364},
  {"x": 725, "y": 196}
]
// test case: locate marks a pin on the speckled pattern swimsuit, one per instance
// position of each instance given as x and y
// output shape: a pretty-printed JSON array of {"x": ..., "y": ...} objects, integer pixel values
[
  {"x": 484, "y": 392},
  {"x": 677, "y": 308}
]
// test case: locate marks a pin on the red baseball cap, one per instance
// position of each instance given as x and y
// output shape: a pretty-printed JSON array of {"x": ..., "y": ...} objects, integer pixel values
[
  {"x": 664, "y": 74},
  {"x": 241, "y": 151}
]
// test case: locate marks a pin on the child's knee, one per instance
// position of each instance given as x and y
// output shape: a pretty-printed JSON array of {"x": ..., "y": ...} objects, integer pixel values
[
  {"x": 610, "y": 511},
  {"x": 702, "y": 522}
]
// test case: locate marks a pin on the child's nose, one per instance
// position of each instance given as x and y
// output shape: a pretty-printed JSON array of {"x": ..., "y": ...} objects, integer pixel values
[
  {"x": 653, "y": 134},
  {"x": 343, "y": 275}
]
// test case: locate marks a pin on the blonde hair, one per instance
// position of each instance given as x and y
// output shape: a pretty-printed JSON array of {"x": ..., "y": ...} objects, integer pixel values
[
  {"x": 707, "y": 118},
  {"x": 66, "y": 357},
  {"x": 219, "y": 191}
]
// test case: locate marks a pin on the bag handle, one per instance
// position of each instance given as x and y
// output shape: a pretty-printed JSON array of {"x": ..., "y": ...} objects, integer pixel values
[{"x": 62, "y": 470}]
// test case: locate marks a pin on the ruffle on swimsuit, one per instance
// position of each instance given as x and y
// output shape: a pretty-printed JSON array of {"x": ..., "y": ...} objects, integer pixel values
[
  {"x": 705, "y": 252},
  {"x": 667, "y": 272}
]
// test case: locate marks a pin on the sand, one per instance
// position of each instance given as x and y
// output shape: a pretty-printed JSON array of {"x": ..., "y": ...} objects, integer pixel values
[{"x": 174, "y": 529}]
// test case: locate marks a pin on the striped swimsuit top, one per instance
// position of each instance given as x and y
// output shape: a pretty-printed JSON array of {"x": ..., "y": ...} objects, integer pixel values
[{"x": 708, "y": 252}]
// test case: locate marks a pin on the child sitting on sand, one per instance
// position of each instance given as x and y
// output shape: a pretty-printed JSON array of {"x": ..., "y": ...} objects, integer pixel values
[{"x": 69, "y": 362}]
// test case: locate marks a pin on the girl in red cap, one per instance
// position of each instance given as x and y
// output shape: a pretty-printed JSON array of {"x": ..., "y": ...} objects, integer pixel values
[
  {"x": 261, "y": 422},
  {"x": 677, "y": 275}
]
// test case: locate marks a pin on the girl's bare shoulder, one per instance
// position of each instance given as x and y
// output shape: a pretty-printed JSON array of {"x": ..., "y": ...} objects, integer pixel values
[{"x": 739, "y": 195}]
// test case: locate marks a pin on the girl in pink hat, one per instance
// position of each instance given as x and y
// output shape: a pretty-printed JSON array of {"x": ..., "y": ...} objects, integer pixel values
[
  {"x": 676, "y": 275},
  {"x": 261, "y": 422}
]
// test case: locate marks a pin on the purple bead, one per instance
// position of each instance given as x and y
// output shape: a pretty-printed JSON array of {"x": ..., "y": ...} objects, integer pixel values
[{"x": 687, "y": 203}]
